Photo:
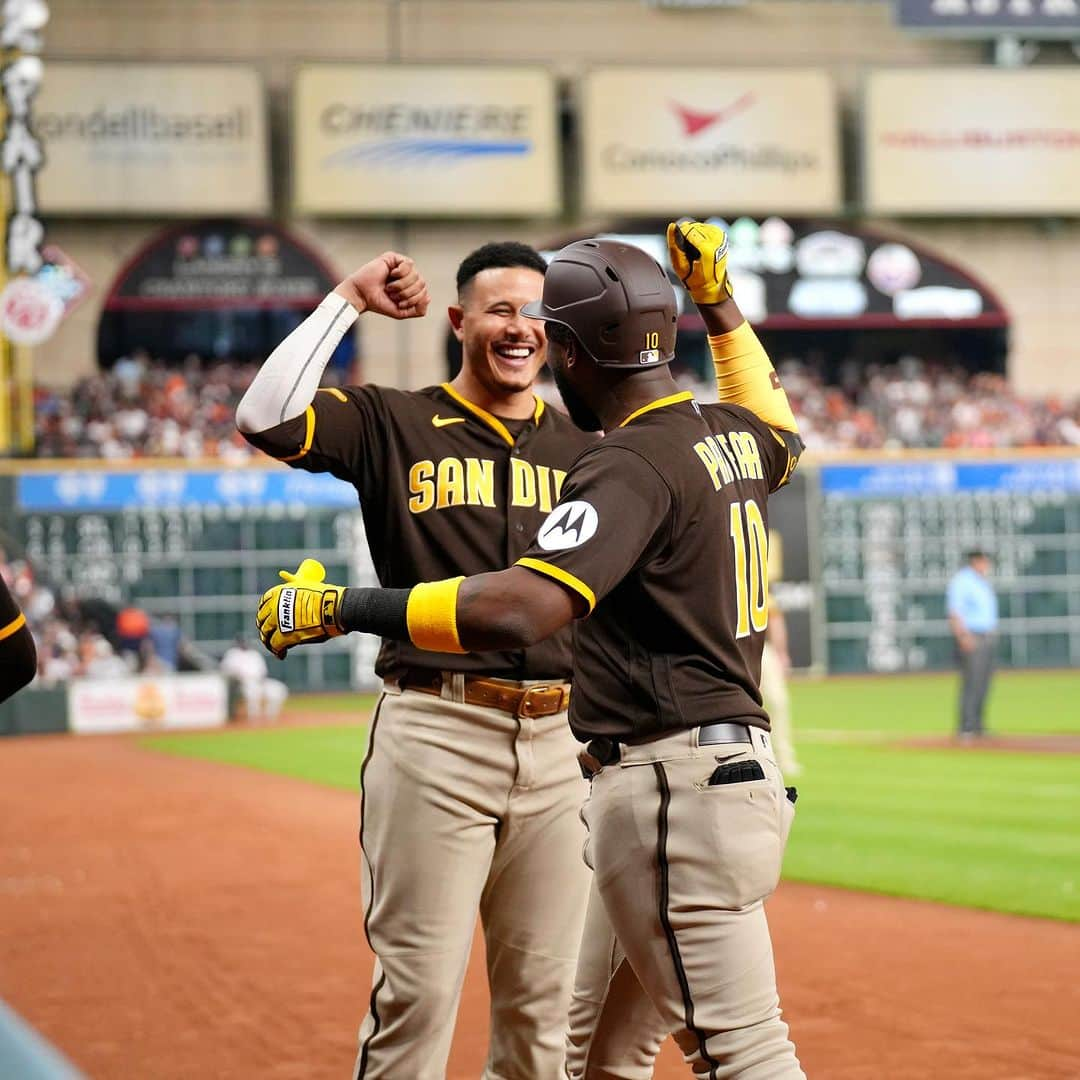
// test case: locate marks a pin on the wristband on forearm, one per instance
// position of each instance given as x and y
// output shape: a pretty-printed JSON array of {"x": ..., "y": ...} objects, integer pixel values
[
  {"x": 745, "y": 376},
  {"x": 426, "y": 614}
]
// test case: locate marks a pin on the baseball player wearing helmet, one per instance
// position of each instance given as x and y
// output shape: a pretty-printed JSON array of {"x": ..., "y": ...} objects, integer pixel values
[
  {"x": 658, "y": 549},
  {"x": 471, "y": 787},
  {"x": 18, "y": 656}
]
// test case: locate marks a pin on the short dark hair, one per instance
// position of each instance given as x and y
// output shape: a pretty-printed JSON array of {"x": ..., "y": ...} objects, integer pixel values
[
  {"x": 504, "y": 253},
  {"x": 977, "y": 553}
]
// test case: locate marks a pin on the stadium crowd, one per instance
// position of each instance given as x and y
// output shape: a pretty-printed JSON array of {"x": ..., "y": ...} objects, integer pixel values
[
  {"x": 143, "y": 408},
  {"x": 912, "y": 404},
  {"x": 88, "y": 638}
]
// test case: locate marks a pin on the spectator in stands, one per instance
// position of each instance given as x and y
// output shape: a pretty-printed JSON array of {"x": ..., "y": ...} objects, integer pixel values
[
  {"x": 262, "y": 696},
  {"x": 973, "y": 617}
]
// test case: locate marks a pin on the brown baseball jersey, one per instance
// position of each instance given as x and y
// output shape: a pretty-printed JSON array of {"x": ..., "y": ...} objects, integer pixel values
[
  {"x": 663, "y": 530},
  {"x": 445, "y": 488}
]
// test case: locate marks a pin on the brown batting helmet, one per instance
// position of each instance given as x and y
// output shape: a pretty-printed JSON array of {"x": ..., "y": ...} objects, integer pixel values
[{"x": 615, "y": 298}]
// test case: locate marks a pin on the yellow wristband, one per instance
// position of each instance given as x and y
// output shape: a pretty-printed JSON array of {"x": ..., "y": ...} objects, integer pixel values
[
  {"x": 431, "y": 616},
  {"x": 745, "y": 376}
]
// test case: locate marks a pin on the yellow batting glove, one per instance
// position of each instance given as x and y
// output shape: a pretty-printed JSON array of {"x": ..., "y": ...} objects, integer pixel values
[
  {"x": 699, "y": 256},
  {"x": 300, "y": 612}
]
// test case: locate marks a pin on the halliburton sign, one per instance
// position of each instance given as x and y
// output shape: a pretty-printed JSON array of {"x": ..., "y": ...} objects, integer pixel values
[
  {"x": 685, "y": 140},
  {"x": 972, "y": 141}
]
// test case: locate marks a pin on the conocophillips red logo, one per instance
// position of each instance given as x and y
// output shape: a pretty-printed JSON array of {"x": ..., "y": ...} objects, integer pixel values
[
  {"x": 694, "y": 121},
  {"x": 739, "y": 152}
]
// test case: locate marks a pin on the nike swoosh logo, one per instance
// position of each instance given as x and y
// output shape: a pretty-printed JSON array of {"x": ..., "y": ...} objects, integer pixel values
[{"x": 442, "y": 421}]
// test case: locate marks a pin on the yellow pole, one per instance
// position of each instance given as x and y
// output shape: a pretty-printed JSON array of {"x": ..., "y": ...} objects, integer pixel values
[
  {"x": 24, "y": 403},
  {"x": 5, "y": 345}
]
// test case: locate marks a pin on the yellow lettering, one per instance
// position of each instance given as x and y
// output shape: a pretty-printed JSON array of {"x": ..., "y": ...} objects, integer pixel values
[
  {"x": 746, "y": 452},
  {"x": 421, "y": 486},
  {"x": 558, "y": 475},
  {"x": 722, "y": 457},
  {"x": 451, "y": 482},
  {"x": 480, "y": 481},
  {"x": 543, "y": 487},
  {"x": 710, "y": 462},
  {"x": 522, "y": 483}
]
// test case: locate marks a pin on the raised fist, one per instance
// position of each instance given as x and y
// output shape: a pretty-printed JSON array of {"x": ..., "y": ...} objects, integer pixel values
[{"x": 389, "y": 285}]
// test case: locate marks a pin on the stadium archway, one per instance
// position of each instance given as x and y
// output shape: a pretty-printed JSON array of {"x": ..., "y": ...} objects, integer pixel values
[
  {"x": 830, "y": 293},
  {"x": 220, "y": 289}
]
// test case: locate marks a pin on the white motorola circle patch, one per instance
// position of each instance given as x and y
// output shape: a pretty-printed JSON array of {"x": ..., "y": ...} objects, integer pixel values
[{"x": 569, "y": 525}]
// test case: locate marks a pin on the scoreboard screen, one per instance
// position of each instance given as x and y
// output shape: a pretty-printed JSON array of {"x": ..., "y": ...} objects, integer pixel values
[
  {"x": 893, "y": 533},
  {"x": 200, "y": 544}
]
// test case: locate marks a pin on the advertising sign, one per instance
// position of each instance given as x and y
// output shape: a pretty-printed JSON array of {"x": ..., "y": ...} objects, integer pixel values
[
  {"x": 681, "y": 140},
  {"x": 147, "y": 703},
  {"x": 425, "y": 141},
  {"x": 97, "y": 489},
  {"x": 139, "y": 139},
  {"x": 986, "y": 18},
  {"x": 972, "y": 141},
  {"x": 246, "y": 263}
]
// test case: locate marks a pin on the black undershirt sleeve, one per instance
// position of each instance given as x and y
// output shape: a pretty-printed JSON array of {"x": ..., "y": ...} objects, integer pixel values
[{"x": 382, "y": 612}]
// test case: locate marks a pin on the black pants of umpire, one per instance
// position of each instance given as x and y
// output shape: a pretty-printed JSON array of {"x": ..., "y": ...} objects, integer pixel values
[{"x": 976, "y": 668}]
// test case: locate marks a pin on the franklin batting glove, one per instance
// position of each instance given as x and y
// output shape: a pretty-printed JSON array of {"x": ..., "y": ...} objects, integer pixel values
[
  {"x": 302, "y": 611},
  {"x": 699, "y": 256}
]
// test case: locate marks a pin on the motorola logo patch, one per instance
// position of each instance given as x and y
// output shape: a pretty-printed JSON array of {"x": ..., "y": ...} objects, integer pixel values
[{"x": 569, "y": 525}]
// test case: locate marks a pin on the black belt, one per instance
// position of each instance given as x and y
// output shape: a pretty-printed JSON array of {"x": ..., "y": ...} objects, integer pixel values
[{"x": 607, "y": 751}]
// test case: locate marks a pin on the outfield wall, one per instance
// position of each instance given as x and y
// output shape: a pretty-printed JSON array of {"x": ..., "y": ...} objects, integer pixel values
[{"x": 863, "y": 548}]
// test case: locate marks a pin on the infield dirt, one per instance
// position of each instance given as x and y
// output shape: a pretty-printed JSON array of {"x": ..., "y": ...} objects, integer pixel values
[{"x": 170, "y": 918}]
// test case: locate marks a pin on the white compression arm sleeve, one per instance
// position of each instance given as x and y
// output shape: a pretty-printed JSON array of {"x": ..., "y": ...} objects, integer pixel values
[{"x": 286, "y": 383}]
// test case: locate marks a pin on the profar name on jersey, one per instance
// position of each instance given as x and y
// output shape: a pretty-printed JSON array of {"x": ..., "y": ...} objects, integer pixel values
[
  {"x": 729, "y": 456},
  {"x": 471, "y": 482}
]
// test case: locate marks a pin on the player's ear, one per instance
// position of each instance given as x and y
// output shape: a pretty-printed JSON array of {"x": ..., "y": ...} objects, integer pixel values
[{"x": 456, "y": 314}]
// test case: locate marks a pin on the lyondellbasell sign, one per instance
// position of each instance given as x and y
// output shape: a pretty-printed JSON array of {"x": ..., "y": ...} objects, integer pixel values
[
  {"x": 425, "y": 141},
  {"x": 677, "y": 140},
  {"x": 990, "y": 18},
  {"x": 142, "y": 139}
]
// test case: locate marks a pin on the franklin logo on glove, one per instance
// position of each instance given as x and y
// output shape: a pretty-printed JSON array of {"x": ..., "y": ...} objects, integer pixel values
[{"x": 287, "y": 609}]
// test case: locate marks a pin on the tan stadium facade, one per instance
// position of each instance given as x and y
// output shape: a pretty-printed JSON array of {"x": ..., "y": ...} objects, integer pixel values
[{"x": 1032, "y": 262}]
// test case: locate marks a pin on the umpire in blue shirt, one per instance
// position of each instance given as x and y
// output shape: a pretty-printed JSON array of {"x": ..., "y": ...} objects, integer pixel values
[{"x": 973, "y": 616}]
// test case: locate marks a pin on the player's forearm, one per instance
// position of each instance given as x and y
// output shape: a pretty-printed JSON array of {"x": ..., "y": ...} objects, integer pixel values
[
  {"x": 286, "y": 383},
  {"x": 511, "y": 609},
  {"x": 744, "y": 373}
]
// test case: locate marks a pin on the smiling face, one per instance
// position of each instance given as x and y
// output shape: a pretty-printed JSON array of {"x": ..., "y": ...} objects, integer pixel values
[{"x": 501, "y": 349}]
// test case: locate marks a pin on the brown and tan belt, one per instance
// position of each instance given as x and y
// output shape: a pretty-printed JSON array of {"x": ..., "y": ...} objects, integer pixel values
[{"x": 540, "y": 699}]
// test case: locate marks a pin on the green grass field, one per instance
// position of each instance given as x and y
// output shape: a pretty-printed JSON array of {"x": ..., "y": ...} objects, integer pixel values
[{"x": 982, "y": 829}]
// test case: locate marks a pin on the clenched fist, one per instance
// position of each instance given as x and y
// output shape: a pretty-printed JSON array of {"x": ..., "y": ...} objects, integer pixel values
[
  {"x": 389, "y": 285},
  {"x": 699, "y": 256}
]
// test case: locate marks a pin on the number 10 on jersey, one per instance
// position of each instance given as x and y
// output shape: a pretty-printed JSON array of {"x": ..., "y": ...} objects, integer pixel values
[{"x": 751, "y": 541}]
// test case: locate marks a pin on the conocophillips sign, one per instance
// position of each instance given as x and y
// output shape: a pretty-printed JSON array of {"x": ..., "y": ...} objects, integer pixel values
[
  {"x": 173, "y": 139},
  {"x": 750, "y": 140},
  {"x": 395, "y": 139}
]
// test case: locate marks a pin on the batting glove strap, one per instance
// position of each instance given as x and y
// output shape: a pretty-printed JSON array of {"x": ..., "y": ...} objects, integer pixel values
[{"x": 699, "y": 256}]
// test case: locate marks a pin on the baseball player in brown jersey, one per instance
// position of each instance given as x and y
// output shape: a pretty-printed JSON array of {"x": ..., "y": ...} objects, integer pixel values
[
  {"x": 471, "y": 788},
  {"x": 18, "y": 656},
  {"x": 658, "y": 547}
]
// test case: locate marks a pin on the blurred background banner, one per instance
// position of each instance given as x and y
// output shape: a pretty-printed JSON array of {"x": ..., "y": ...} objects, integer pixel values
[
  {"x": 172, "y": 139},
  {"x": 424, "y": 141},
  {"x": 972, "y": 141},
  {"x": 972, "y": 18},
  {"x": 677, "y": 140}
]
